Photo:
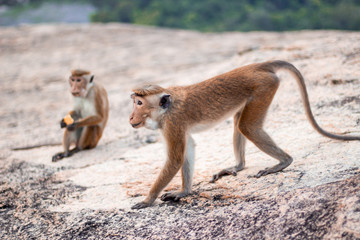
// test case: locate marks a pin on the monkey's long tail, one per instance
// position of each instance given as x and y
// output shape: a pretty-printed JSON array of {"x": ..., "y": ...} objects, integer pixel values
[
  {"x": 35, "y": 146},
  {"x": 304, "y": 95}
]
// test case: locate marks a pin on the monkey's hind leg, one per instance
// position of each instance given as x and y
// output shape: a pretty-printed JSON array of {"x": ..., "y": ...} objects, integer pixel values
[
  {"x": 70, "y": 137},
  {"x": 187, "y": 172},
  {"x": 250, "y": 125},
  {"x": 90, "y": 137},
  {"x": 239, "y": 150},
  {"x": 61, "y": 155},
  {"x": 265, "y": 143}
]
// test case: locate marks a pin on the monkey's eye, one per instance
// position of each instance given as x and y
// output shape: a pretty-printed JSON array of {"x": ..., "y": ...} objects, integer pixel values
[
  {"x": 139, "y": 102},
  {"x": 78, "y": 80}
]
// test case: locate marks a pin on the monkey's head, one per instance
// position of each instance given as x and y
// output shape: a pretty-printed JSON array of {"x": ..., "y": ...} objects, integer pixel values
[
  {"x": 150, "y": 103},
  {"x": 80, "y": 82}
]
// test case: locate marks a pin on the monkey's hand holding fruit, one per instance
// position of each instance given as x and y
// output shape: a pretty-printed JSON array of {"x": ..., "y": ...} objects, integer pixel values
[{"x": 68, "y": 122}]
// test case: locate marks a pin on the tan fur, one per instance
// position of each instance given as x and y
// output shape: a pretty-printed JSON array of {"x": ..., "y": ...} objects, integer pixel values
[
  {"x": 246, "y": 93},
  {"x": 91, "y": 112}
]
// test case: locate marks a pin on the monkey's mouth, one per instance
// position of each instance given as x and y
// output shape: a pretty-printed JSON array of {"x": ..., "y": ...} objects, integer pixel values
[{"x": 135, "y": 125}]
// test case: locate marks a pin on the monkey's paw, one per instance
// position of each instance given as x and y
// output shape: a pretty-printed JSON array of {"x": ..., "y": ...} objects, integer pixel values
[
  {"x": 261, "y": 173},
  {"x": 58, "y": 157},
  {"x": 71, "y": 127},
  {"x": 173, "y": 196},
  {"x": 227, "y": 171},
  {"x": 224, "y": 172},
  {"x": 62, "y": 123},
  {"x": 141, "y": 205}
]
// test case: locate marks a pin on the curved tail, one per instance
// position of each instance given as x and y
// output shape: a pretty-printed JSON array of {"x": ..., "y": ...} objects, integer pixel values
[{"x": 300, "y": 80}]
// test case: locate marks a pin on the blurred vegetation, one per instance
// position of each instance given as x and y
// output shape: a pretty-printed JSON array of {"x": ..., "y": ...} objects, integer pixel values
[
  {"x": 230, "y": 15},
  {"x": 233, "y": 15},
  {"x": 18, "y": 12}
]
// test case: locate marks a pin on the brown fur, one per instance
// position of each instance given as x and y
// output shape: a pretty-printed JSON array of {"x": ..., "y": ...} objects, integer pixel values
[
  {"x": 91, "y": 114},
  {"x": 79, "y": 72},
  {"x": 147, "y": 90},
  {"x": 245, "y": 92}
]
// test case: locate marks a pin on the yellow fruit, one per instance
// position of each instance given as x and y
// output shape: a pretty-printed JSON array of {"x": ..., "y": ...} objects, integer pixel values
[{"x": 68, "y": 119}]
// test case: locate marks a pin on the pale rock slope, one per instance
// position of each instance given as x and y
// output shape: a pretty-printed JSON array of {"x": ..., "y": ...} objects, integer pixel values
[{"x": 89, "y": 195}]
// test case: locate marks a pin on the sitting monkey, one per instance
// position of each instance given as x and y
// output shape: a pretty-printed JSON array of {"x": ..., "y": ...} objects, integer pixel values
[{"x": 85, "y": 124}]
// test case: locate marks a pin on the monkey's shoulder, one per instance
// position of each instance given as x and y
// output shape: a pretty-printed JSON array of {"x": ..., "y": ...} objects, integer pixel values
[{"x": 99, "y": 87}]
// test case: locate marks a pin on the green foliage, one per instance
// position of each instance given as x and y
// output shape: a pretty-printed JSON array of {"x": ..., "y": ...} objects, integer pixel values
[
  {"x": 233, "y": 15},
  {"x": 227, "y": 15}
]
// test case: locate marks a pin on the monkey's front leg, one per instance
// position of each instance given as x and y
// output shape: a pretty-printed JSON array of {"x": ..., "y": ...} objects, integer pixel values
[
  {"x": 88, "y": 121},
  {"x": 187, "y": 172},
  {"x": 176, "y": 149},
  {"x": 82, "y": 122},
  {"x": 167, "y": 173}
]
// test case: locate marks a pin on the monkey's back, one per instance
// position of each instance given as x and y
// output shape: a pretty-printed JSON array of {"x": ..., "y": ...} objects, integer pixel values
[
  {"x": 102, "y": 103},
  {"x": 220, "y": 97}
]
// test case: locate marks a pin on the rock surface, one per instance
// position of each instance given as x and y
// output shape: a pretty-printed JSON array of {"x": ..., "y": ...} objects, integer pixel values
[{"x": 89, "y": 195}]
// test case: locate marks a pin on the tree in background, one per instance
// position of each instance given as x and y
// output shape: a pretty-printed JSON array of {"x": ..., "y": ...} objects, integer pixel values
[
  {"x": 228, "y": 15},
  {"x": 233, "y": 15}
]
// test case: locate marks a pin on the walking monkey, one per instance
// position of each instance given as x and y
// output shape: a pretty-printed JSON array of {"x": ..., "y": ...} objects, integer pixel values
[
  {"x": 245, "y": 93},
  {"x": 85, "y": 124}
]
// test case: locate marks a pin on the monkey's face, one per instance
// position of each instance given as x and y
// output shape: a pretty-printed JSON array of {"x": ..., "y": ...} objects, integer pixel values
[
  {"x": 148, "y": 110},
  {"x": 78, "y": 86},
  {"x": 141, "y": 111}
]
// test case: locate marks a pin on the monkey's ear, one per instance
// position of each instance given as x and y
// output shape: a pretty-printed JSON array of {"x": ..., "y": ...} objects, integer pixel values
[
  {"x": 91, "y": 78},
  {"x": 132, "y": 96},
  {"x": 165, "y": 101}
]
